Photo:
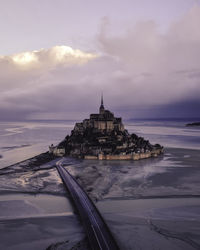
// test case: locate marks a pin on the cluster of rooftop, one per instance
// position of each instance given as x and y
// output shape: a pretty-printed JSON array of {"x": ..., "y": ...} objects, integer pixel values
[{"x": 103, "y": 136}]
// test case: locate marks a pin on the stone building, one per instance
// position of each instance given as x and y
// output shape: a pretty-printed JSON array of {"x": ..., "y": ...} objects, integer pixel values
[
  {"x": 104, "y": 121},
  {"x": 57, "y": 150}
]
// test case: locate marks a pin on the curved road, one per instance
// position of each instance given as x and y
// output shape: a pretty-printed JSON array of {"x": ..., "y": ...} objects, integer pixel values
[{"x": 98, "y": 233}]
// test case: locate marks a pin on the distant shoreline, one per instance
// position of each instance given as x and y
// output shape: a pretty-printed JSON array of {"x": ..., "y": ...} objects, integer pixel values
[{"x": 193, "y": 124}]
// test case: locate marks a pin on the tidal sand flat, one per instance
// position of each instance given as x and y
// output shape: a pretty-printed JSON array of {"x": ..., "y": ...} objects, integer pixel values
[
  {"x": 37, "y": 222},
  {"x": 168, "y": 223},
  {"x": 148, "y": 204},
  {"x": 154, "y": 200}
]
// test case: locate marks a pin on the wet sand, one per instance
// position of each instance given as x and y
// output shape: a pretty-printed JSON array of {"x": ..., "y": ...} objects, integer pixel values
[
  {"x": 36, "y": 222},
  {"x": 46, "y": 220},
  {"x": 154, "y": 223},
  {"x": 148, "y": 204}
]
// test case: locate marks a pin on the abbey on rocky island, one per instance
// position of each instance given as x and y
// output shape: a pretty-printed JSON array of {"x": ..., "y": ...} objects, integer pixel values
[
  {"x": 104, "y": 122},
  {"x": 104, "y": 137}
]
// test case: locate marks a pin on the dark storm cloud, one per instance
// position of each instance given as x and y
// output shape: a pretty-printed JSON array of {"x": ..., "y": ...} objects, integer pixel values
[{"x": 140, "y": 71}]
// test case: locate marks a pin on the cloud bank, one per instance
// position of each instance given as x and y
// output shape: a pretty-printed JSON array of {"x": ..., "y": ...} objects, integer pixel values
[{"x": 142, "y": 72}]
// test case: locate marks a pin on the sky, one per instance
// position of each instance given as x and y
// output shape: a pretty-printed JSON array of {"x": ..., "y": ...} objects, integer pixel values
[{"x": 57, "y": 57}]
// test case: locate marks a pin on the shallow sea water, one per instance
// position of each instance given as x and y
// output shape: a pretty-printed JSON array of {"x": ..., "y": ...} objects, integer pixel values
[{"x": 22, "y": 140}]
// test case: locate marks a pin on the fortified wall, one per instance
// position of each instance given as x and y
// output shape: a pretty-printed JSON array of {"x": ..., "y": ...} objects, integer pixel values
[{"x": 134, "y": 156}]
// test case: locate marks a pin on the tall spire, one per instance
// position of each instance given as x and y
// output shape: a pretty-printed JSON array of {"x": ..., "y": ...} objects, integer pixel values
[
  {"x": 101, "y": 109},
  {"x": 102, "y": 99}
]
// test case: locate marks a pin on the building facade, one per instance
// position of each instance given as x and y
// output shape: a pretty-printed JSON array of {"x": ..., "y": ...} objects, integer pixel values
[{"x": 104, "y": 121}]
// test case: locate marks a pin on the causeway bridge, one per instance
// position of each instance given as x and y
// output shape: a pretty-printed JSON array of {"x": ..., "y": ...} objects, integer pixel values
[{"x": 98, "y": 233}]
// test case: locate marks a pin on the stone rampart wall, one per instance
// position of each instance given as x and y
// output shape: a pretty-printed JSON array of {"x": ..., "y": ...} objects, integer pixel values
[
  {"x": 90, "y": 157},
  {"x": 134, "y": 157}
]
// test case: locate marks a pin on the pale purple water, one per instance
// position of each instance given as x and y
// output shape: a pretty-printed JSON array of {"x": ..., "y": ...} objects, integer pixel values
[{"x": 22, "y": 140}]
